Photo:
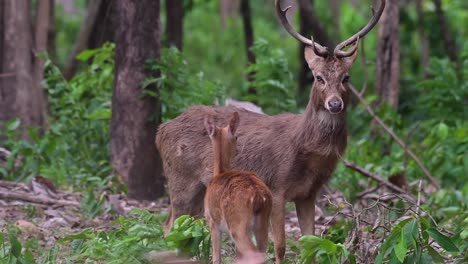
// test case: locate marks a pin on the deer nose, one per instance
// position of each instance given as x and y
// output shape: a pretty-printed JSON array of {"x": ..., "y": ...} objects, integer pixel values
[{"x": 335, "y": 105}]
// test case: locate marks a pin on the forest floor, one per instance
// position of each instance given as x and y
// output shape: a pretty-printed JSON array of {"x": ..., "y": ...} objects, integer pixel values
[
  {"x": 47, "y": 214},
  {"x": 40, "y": 210}
]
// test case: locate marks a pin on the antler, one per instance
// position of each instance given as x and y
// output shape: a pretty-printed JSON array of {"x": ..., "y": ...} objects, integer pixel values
[
  {"x": 319, "y": 50},
  {"x": 339, "y": 53}
]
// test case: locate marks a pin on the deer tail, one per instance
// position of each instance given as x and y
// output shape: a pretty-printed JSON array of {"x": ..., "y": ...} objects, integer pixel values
[{"x": 260, "y": 201}]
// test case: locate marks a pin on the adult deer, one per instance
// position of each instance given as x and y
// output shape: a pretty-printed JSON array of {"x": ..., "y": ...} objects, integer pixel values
[
  {"x": 236, "y": 201},
  {"x": 294, "y": 154}
]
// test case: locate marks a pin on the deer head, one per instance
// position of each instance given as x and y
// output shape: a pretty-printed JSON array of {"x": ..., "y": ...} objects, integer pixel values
[
  {"x": 330, "y": 71},
  {"x": 224, "y": 141}
]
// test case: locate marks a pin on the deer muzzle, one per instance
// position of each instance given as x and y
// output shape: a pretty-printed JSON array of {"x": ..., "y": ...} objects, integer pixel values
[{"x": 334, "y": 105}]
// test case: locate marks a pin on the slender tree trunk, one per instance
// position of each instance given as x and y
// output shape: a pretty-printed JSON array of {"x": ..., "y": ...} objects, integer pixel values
[
  {"x": 227, "y": 8},
  {"x": 133, "y": 154},
  {"x": 388, "y": 54},
  {"x": 104, "y": 27},
  {"x": 248, "y": 40},
  {"x": 51, "y": 38},
  {"x": 20, "y": 96},
  {"x": 81, "y": 42},
  {"x": 424, "y": 43},
  {"x": 447, "y": 37},
  {"x": 310, "y": 25},
  {"x": 41, "y": 37},
  {"x": 335, "y": 6},
  {"x": 175, "y": 23}
]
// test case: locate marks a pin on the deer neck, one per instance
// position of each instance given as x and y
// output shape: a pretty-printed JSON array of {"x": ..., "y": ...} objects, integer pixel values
[
  {"x": 220, "y": 160},
  {"x": 321, "y": 132}
]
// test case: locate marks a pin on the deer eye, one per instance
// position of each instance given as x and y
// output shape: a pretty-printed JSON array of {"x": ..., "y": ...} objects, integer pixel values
[
  {"x": 319, "y": 78},
  {"x": 346, "y": 79}
]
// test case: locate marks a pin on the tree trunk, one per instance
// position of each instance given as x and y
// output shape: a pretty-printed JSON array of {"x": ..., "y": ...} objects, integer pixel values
[
  {"x": 174, "y": 23},
  {"x": 19, "y": 96},
  {"x": 81, "y": 42},
  {"x": 310, "y": 25},
  {"x": 227, "y": 8},
  {"x": 388, "y": 55},
  {"x": 447, "y": 36},
  {"x": 249, "y": 40},
  {"x": 335, "y": 6},
  {"x": 422, "y": 37},
  {"x": 133, "y": 154},
  {"x": 41, "y": 37},
  {"x": 104, "y": 27},
  {"x": 51, "y": 38}
]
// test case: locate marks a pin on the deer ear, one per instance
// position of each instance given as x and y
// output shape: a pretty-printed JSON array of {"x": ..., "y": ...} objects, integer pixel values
[
  {"x": 310, "y": 56},
  {"x": 234, "y": 123},
  {"x": 209, "y": 126}
]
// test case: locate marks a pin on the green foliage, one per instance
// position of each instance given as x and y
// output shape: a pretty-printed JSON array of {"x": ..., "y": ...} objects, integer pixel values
[
  {"x": 323, "y": 251},
  {"x": 133, "y": 237},
  {"x": 412, "y": 241},
  {"x": 273, "y": 80},
  {"x": 191, "y": 236},
  {"x": 74, "y": 148},
  {"x": 177, "y": 88},
  {"x": 127, "y": 242},
  {"x": 12, "y": 251},
  {"x": 443, "y": 96}
]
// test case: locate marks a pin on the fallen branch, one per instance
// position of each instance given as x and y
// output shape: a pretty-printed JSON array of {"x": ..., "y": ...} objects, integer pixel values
[
  {"x": 374, "y": 176},
  {"x": 35, "y": 199},
  {"x": 396, "y": 138},
  {"x": 4, "y": 154}
]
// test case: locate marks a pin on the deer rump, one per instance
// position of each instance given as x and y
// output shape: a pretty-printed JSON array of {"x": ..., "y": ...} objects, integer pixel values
[{"x": 292, "y": 159}]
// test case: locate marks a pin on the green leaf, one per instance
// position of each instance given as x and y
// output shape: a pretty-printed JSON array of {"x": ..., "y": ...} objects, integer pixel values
[
  {"x": 442, "y": 131},
  {"x": 436, "y": 257},
  {"x": 309, "y": 241},
  {"x": 379, "y": 259},
  {"x": 328, "y": 246},
  {"x": 444, "y": 241},
  {"x": 411, "y": 230},
  {"x": 86, "y": 54},
  {"x": 13, "y": 125},
  {"x": 400, "y": 247},
  {"x": 15, "y": 245},
  {"x": 100, "y": 114}
]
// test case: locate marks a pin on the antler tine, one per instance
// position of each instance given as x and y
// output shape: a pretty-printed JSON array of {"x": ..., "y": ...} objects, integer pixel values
[
  {"x": 319, "y": 50},
  {"x": 339, "y": 53}
]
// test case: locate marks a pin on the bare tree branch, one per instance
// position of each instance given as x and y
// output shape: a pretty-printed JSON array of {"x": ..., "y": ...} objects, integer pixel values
[
  {"x": 374, "y": 176},
  {"x": 35, "y": 199},
  {"x": 396, "y": 138},
  {"x": 422, "y": 36},
  {"x": 447, "y": 37},
  {"x": 82, "y": 39}
]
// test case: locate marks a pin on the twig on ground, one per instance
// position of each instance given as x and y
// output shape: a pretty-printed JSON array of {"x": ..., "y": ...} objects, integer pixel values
[
  {"x": 35, "y": 199},
  {"x": 373, "y": 176},
  {"x": 395, "y": 137}
]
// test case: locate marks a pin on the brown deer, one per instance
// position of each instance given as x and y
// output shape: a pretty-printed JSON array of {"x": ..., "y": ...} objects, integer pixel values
[
  {"x": 294, "y": 154},
  {"x": 235, "y": 201}
]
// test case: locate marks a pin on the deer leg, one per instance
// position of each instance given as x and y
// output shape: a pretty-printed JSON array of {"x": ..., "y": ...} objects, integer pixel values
[
  {"x": 277, "y": 225},
  {"x": 240, "y": 230},
  {"x": 215, "y": 243},
  {"x": 306, "y": 215},
  {"x": 184, "y": 201},
  {"x": 168, "y": 223},
  {"x": 261, "y": 230}
]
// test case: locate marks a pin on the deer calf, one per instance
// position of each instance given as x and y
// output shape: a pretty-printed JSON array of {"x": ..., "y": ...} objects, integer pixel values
[{"x": 236, "y": 201}]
